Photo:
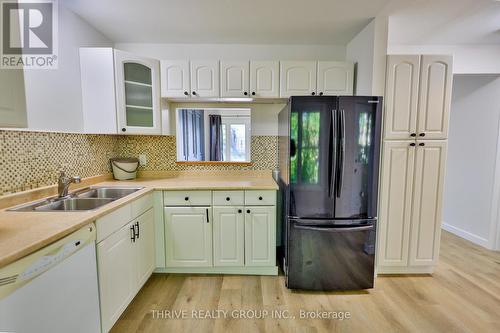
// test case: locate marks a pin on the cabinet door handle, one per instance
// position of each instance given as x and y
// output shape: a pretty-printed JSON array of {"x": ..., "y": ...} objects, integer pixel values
[
  {"x": 313, "y": 93},
  {"x": 194, "y": 92},
  {"x": 245, "y": 93},
  {"x": 138, "y": 229},
  {"x": 132, "y": 228},
  {"x": 253, "y": 93},
  {"x": 412, "y": 144},
  {"x": 422, "y": 134},
  {"x": 208, "y": 221},
  {"x": 248, "y": 211},
  {"x": 421, "y": 144},
  {"x": 413, "y": 134},
  {"x": 240, "y": 211},
  {"x": 321, "y": 93}
]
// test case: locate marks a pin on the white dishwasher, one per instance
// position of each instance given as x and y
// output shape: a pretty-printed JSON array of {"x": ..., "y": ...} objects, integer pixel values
[{"x": 53, "y": 290}]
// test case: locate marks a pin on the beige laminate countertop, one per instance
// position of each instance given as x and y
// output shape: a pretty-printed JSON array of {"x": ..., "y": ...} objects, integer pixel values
[{"x": 22, "y": 233}]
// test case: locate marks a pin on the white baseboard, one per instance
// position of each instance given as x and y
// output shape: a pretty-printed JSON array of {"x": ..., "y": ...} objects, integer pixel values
[{"x": 467, "y": 235}]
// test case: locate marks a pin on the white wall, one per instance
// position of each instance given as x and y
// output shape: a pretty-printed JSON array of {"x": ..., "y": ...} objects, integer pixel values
[
  {"x": 53, "y": 97},
  {"x": 380, "y": 38},
  {"x": 467, "y": 59},
  {"x": 236, "y": 51},
  {"x": 368, "y": 50},
  {"x": 360, "y": 51},
  {"x": 472, "y": 155}
]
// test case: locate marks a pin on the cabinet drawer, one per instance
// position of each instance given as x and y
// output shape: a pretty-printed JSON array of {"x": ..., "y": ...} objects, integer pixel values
[
  {"x": 229, "y": 198},
  {"x": 142, "y": 204},
  {"x": 187, "y": 198},
  {"x": 113, "y": 221},
  {"x": 260, "y": 198}
]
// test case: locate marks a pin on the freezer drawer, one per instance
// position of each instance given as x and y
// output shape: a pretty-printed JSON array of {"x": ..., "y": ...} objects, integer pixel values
[{"x": 330, "y": 257}]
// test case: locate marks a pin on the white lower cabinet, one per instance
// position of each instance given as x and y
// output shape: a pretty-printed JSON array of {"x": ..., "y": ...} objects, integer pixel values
[
  {"x": 125, "y": 261},
  {"x": 229, "y": 236},
  {"x": 260, "y": 236},
  {"x": 116, "y": 275},
  {"x": 425, "y": 237},
  {"x": 411, "y": 196},
  {"x": 145, "y": 250},
  {"x": 188, "y": 236},
  {"x": 226, "y": 237}
]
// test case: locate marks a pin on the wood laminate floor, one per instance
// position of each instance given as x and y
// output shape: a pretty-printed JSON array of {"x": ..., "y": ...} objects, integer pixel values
[{"x": 463, "y": 295}]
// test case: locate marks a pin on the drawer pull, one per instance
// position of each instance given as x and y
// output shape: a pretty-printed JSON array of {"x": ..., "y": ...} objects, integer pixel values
[
  {"x": 132, "y": 228},
  {"x": 186, "y": 198},
  {"x": 239, "y": 211},
  {"x": 260, "y": 198},
  {"x": 228, "y": 198}
]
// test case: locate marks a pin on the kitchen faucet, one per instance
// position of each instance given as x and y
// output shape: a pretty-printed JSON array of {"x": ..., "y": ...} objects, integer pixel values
[{"x": 64, "y": 182}]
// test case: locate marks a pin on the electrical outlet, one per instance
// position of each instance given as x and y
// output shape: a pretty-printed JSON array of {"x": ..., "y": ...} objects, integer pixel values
[{"x": 143, "y": 160}]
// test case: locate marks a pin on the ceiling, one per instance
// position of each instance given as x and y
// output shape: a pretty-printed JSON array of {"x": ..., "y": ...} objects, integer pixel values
[
  {"x": 228, "y": 21},
  {"x": 446, "y": 22}
]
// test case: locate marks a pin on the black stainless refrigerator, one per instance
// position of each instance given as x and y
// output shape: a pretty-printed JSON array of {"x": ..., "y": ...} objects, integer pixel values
[{"x": 328, "y": 155}]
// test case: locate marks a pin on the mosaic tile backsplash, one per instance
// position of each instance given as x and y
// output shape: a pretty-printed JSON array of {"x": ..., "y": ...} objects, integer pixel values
[
  {"x": 32, "y": 159},
  {"x": 161, "y": 153}
]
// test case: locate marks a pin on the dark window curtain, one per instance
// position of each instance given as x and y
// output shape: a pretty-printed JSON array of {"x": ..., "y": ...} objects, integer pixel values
[{"x": 215, "y": 137}]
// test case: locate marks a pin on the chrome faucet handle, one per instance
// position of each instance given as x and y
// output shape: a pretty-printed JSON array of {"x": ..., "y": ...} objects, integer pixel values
[{"x": 64, "y": 182}]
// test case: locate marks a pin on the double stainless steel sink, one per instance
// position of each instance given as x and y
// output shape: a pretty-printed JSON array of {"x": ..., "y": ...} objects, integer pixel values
[{"x": 86, "y": 199}]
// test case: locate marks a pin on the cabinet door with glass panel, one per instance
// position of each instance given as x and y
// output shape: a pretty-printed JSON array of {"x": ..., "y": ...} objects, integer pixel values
[
  {"x": 137, "y": 94},
  {"x": 214, "y": 135}
]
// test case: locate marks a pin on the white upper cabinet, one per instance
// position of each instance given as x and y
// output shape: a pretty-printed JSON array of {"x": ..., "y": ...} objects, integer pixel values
[
  {"x": 120, "y": 92},
  {"x": 297, "y": 78},
  {"x": 97, "y": 76},
  {"x": 137, "y": 94},
  {"x": 418, "y": 97},
  {"x": 335, "y": 78},
  {"x": 435, "y": 96},
  {"x": 234, "y": 78},
  {"x": 264, "y": 79},
  {"x": 175, "y": 78},
  {"x": 401, "y": 96},
  {"x": 204, "y": 78}
]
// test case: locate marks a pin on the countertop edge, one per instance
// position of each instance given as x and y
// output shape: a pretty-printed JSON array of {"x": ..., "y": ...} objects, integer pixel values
[{"x": 92, "y": 216}]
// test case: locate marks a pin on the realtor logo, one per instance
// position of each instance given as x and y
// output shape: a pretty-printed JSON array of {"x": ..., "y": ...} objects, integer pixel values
[{"x": 29, "y": 34}]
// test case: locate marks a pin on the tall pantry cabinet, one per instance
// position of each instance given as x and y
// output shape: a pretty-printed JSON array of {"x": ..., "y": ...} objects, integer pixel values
[{"x": 417, "y": 109}]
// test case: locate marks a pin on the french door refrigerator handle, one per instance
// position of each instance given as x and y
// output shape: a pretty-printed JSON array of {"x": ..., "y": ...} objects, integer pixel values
[
  {"x": 334, "y": 229},
  {"x": 341, "y": 158},
  {"x": 333, "y": 154}
]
